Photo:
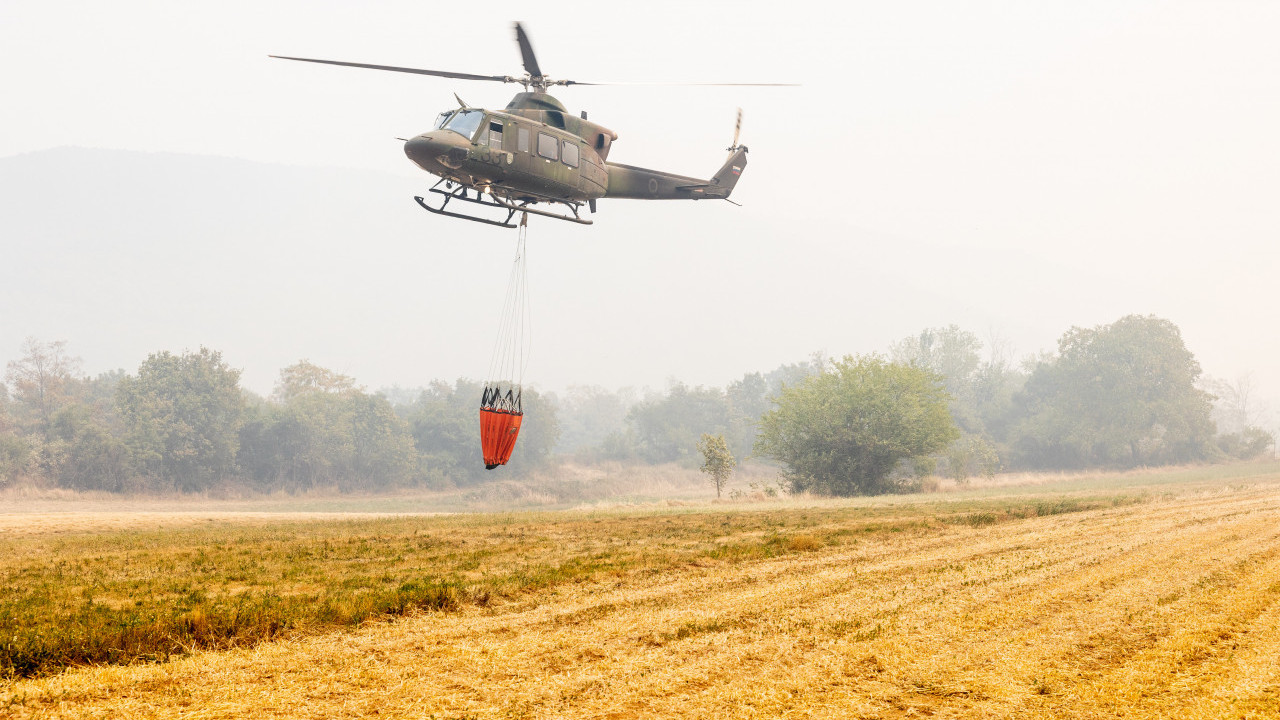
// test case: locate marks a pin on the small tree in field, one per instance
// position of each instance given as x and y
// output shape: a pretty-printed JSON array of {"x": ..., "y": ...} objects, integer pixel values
[{"x": 717, "y": 461}]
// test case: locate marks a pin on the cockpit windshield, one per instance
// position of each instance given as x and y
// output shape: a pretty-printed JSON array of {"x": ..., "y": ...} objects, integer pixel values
[
  {"x": 444, "y": 118},
  {"x": 465, "y": 122}
]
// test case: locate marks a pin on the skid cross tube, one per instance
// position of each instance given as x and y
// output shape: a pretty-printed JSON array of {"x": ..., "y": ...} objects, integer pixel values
[
  {"x": 498, "y": 203},
  {"x": 524, "y": 208},
  {"x": 458, "y": 194}
]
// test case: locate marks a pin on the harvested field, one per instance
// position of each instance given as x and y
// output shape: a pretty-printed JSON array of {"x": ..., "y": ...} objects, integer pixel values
[{"x": 1162, "y": 602}]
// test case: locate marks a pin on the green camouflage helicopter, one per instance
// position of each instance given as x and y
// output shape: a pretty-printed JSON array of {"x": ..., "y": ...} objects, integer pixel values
[{"x": 535, "y": 151}]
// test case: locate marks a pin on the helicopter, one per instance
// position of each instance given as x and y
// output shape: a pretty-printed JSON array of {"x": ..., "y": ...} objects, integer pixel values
[{"x": 535, "y": 151}]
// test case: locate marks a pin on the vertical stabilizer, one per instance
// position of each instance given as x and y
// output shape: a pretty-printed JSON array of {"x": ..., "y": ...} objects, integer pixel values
[{"x": 723, "y": 181}]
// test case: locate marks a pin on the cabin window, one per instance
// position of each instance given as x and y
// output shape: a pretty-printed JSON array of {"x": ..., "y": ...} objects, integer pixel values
[
  {"x": 522, "y": 139},
  {"x": 570, "y": 154},
  {"x": 444, "y": 118},
  {"x": 465, "y": 123},
  {"x": 547, "y": 146},
  {"x": 495, "y": 134}
]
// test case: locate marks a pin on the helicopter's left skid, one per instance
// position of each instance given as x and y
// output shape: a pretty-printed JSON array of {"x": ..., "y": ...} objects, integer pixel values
[
  {"x": 497, "y": 203},
  {"x": 511, "y": 212}
]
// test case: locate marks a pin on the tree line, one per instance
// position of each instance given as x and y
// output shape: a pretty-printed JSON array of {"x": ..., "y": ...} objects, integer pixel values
[
  {"x": 183, "y": 423},
  {"x": 939, "y": 402},
  {"x": 1122, "y": 395}
]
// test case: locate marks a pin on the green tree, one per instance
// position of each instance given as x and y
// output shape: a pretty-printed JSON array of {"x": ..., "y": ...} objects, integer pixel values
[
  {"x": 747, "y": 400},
  {"x": 95, "y": 457},
  {"x": 322, "y": 431},
  {"x": 589, "y": 414},
  {"x": 305, "y": 378},
  {"x": 717, "y": 461},
  {"x": 539, "y": 433},
  {"x": 14, "y": 452},
  {"x": 42, "y": 381},
  {"x": 1247, "y": 444},
  {"x": 299, "y": 445},
  {"x": 1121, "y": 394},
  {"x": 445, "y": 424},
  {"x": 995, "y": 386},
  {"x": 15, "y": 458},
  {"x": 667, "y": 428},
  {"x": 85, "y": 448},
  {"x": 844, "y": 431},
  {"x": 6, "y": 421},
  {"x": 954, "y": 355},
  {"x": 383, "y": 454},
  {"x": 971, "y": 455},
  {"x": 949, "y": 352},
  {"x": 181, "y": 417}
]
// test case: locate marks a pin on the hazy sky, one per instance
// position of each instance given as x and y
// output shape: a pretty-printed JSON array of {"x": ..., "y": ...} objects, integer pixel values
[{"x": 1012, "y": 167}]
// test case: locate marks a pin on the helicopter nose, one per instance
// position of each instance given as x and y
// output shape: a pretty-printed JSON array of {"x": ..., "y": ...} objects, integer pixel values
[
  {"x": 420, "y": 150},
  {"x": 433, "y": 151}
]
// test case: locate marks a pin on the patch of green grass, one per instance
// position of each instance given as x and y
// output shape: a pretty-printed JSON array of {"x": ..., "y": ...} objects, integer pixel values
[{"x": 978, "y": 519}]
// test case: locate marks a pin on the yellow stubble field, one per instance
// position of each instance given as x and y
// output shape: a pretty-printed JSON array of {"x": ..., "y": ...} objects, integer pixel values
[{"x": 1165, "y": 607}]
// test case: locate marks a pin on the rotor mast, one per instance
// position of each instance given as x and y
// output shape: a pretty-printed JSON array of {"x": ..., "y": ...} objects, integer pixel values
[{"x": 533, "y": 76}]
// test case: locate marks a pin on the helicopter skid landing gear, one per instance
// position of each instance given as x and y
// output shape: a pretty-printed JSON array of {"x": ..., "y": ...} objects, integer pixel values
[
  {"x": 524, "y": 208},
  {"x": 495, "y": 202},
  {"x": 459, "y": 194}
]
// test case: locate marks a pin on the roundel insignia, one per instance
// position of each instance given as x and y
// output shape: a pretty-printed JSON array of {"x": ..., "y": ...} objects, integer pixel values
[{"x": 653, "y": 185}]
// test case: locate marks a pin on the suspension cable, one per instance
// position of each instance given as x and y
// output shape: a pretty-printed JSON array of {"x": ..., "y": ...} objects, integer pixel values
[{"x": 511, "y": 347}]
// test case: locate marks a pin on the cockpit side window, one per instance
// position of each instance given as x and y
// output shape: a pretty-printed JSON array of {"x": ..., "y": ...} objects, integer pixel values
[
  {"x": 465, "y": 123},
  {"x": 548, "y": 147},
  {"x": 495, "y": 134},
  {"x": 569, "y": 155}
]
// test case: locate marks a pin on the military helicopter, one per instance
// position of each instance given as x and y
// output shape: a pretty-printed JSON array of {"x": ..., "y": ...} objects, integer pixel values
[{"x": 535, "y": 151}]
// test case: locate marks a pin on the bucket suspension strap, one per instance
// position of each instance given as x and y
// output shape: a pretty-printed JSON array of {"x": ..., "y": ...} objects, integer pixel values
[{"x": 501, "y": 407}]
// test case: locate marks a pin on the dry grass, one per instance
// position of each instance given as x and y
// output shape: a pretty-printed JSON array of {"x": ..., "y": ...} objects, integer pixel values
[
  {"x": 121, "y": 596},
  {"x": 1026, "y": 606},
  {"x": 560, "y": 486}
]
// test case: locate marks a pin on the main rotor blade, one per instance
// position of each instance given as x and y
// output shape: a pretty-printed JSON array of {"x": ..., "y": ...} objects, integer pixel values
[
  {"x": 415, "y": 71},
  {"x": 526, "y": 53},
  {"x": 675, "y": 84}
]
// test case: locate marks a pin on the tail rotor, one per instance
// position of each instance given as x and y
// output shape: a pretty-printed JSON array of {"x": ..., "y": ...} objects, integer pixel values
[{"x": 737, "y": 128}]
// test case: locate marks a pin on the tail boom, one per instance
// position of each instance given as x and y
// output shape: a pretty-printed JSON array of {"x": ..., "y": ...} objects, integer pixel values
[{"x": 628, "y": 181}]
